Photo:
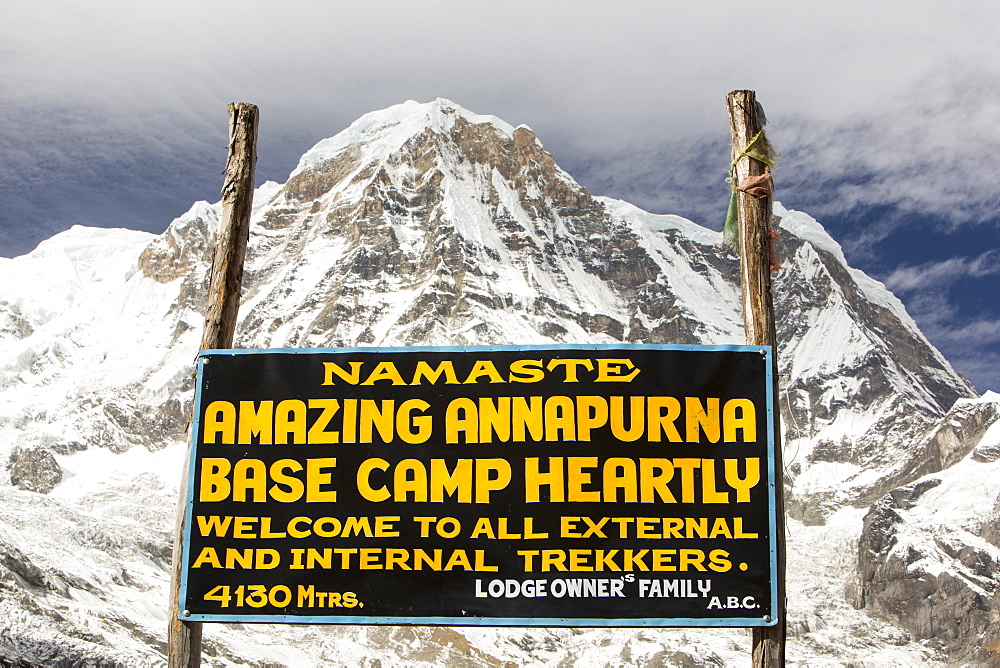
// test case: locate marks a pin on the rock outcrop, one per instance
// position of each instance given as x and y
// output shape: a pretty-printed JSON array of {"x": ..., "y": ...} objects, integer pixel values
[
  {"x": 34, "y": 469},
  {"x": 929, "y": 555}
]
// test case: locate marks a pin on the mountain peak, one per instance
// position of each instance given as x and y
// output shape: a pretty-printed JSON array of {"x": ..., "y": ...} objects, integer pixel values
[
  {"x": 437, "y": 157},
  {"x": 387, "y": 130}
]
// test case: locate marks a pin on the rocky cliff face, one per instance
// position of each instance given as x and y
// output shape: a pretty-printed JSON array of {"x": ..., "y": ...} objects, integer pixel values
[
  {"x": 427, "y": 224},
  {"x": 929, "y": 554},
  {"x": 849, "y": 357}
]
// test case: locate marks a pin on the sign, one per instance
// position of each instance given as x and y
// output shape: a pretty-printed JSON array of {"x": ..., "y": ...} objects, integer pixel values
[{"x": 539, "y": 486}]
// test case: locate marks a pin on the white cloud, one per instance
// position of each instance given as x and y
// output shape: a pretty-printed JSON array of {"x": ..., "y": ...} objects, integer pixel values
[
  {"x": 940, "y": 275},
  {"x": 969, "y": 344},
  {"x": 968, "y": 340},
  {"x": 659, "y": 65}
]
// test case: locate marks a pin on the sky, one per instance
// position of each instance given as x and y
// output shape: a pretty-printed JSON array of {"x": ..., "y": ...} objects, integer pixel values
[{"x": 886, "y": 114}]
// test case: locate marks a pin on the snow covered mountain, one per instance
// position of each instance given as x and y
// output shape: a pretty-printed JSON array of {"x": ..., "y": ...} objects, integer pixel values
[{"x": 428, "y": 224}]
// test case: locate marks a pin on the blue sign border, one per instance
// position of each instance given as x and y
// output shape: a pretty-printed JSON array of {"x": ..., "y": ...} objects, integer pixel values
[{"x": 770, "y": 618}]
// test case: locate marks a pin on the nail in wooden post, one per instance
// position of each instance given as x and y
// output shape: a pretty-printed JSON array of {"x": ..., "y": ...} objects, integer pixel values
[
  {"x": 184, "y": 638},
  {"x": 745, "y": 122}
]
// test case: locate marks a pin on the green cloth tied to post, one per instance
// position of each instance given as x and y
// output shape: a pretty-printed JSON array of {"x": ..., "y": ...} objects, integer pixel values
[{"x": 759, "y": 148}]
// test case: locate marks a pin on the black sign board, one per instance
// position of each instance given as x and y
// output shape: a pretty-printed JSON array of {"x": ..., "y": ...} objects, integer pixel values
[{"x": 538, "y": 486}]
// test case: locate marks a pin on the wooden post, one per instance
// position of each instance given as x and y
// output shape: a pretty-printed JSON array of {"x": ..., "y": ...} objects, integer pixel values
[
  {"x": 231, "y": 248},
  {"x": 184, "y": 638},
  {"x": 745, "y": 120}
]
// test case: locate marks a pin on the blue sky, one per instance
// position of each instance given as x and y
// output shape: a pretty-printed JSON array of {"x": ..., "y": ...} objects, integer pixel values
[{"x": 113, "y": 114}]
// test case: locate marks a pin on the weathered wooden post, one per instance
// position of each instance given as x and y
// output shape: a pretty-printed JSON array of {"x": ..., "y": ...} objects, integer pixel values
[
  {"x": 750, "y": 160},
  {"x": 184, "y": 638}
]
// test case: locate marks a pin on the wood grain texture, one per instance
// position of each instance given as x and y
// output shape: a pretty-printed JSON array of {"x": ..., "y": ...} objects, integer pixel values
[
  {"x": 225, "y": 285},
  {"x": 231, "y": 246},
  {"x": 745, "y": 122}
]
